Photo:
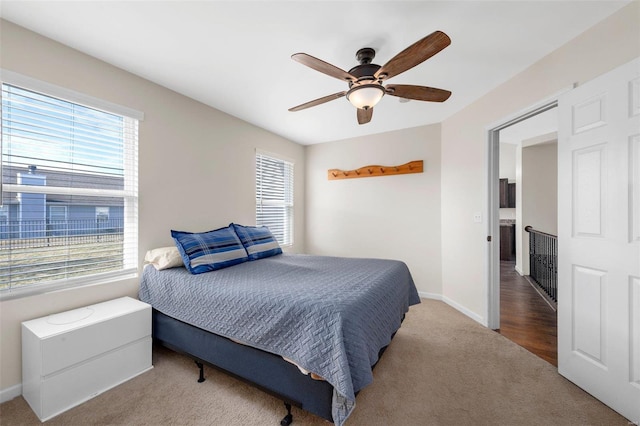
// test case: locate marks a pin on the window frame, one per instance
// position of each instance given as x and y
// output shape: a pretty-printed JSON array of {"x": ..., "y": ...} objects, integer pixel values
[
  {"x": 288, "y": 205},
  {"x": 129, "y": 194},
  {"x": 4, "y": 214},
  {"x": 100, "y": 213},
  {"x": 52, "y": 208}
]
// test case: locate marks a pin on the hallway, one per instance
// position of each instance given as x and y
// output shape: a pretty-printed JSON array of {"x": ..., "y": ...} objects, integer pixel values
[{"x": 525, "y": 316}]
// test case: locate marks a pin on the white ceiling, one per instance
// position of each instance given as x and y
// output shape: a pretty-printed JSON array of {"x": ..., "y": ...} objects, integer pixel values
[{"x": 235, "y": 56}]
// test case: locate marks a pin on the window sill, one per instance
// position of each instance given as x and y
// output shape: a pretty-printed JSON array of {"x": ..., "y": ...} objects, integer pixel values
[{"x": 80, "y": 282}]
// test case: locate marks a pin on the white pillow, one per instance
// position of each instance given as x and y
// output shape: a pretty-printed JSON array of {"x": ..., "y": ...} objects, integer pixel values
[{"x": 164, "y": 258}]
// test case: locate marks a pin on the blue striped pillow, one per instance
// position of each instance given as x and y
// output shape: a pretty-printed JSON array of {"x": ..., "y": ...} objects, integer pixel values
[
  {"x": 258, "y": 241},
  {"x": 209, "y": 251}
]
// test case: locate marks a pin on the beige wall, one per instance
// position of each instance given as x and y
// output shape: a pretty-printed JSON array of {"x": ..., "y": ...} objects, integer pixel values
[
  {"x": 508, "y": 161},
  {"x": 196, "y": 165},
  {"x": 508, "y": 171},
  {"x": 540, "y": 187},
  {"x": 611, "y": 43},
  {"x": 395, "y": 217},
  {"x": 539, "y": 199}
]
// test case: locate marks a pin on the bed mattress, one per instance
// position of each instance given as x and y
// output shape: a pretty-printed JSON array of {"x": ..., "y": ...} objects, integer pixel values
[{"x": 330, "y": 315}]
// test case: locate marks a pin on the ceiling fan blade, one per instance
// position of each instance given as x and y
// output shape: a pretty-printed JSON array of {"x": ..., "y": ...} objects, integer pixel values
[
  {"x": 318, "y": 101},
  {"x": 364, "y": 115},
  {"x": 419, "y": 93},
  {"x": 322, "y": 66},
  {"x": 415, "y": 54}
]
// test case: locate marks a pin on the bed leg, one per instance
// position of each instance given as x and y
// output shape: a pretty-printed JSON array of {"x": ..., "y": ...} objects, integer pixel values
[
  {"x": 201, "y": 367},
  {"x": 288, "y": 419}
]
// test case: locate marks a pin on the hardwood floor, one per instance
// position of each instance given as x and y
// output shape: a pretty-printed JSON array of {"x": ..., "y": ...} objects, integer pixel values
[{"x": 526, "y": 318}]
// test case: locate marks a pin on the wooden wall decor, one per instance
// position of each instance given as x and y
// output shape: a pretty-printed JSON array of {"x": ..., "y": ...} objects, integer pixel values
[{"x": 371, "y": 171}]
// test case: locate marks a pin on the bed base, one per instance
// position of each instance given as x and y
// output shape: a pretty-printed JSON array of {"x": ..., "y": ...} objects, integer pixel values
[
  {"x": 286, "y": 421},
  {"x": 264, "y": 370}
]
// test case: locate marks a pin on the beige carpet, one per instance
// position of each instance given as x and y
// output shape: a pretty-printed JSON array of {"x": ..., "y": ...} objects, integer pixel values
[{"x": 441, "y": 369}]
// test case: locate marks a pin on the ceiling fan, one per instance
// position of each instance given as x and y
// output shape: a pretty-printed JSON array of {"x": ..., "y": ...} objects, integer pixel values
[{"x": 365, "y": 80}]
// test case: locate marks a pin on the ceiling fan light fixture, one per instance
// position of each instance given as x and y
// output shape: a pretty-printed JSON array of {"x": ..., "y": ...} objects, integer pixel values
[{"x": 365, "y": 96}]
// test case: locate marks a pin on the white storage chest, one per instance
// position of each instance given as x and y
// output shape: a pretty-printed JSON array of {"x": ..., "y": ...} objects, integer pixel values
[{"x": 70, "y": 357}]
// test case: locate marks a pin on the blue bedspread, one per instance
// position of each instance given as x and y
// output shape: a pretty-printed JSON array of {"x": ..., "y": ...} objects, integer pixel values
[{"x": 330, "y": 315}]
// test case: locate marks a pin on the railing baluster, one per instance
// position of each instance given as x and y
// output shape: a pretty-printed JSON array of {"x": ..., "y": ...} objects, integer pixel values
[{"x": 543, "y": 261}]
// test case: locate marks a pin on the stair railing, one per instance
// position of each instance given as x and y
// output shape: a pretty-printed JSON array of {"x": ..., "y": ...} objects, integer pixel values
[{"x": 543, "y": 261}]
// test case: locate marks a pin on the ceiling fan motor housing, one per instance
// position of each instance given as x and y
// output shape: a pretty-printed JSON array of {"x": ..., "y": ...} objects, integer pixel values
[
  {"x": 366, "y": 70},
  {"x": 365, "y": 80}
]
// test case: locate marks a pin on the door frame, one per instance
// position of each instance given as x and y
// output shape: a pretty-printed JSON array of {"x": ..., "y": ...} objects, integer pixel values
[{"x": 492, "y": 211}]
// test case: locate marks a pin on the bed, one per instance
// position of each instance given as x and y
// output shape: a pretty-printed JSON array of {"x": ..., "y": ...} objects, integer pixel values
[{"x": 273, "y": 320}]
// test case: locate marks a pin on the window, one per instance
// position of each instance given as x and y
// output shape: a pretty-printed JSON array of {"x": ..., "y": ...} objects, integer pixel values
[
  {"x": 102, "y": 214},
  {"x": 274, "y": 196},
  {"x": 4, "y": 215},
  {"x": 77, "y": 157},
  {"x": 57, "y": 213}
]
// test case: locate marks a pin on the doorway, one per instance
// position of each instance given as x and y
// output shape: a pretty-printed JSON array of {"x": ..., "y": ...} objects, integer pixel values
[
  {"x": 523, "y": 161},
  {"x": 598, "y": 205}
]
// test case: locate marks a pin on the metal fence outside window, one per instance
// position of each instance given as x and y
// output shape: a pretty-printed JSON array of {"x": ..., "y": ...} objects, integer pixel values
[{"x": 39, "y": 233}]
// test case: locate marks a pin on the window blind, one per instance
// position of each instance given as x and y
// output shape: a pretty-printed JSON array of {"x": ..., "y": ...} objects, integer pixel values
[
  {"x": 63, "y": 157},
  {"x": 274, "y": 196}
]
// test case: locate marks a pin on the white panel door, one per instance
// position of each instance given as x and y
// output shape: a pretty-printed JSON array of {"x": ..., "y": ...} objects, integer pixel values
[{"x": 599, "y": 238}]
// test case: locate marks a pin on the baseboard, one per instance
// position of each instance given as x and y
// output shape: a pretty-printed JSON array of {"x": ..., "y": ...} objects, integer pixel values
[
  {"x": 552, "y": 303},
  {"x": 454, "y": 305},
  {"x": 465, "y": 311},
  {"x": 11, "y": 392},
  {"x": 426, "y": 295},
  {"x": 519, "y": 270}
]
